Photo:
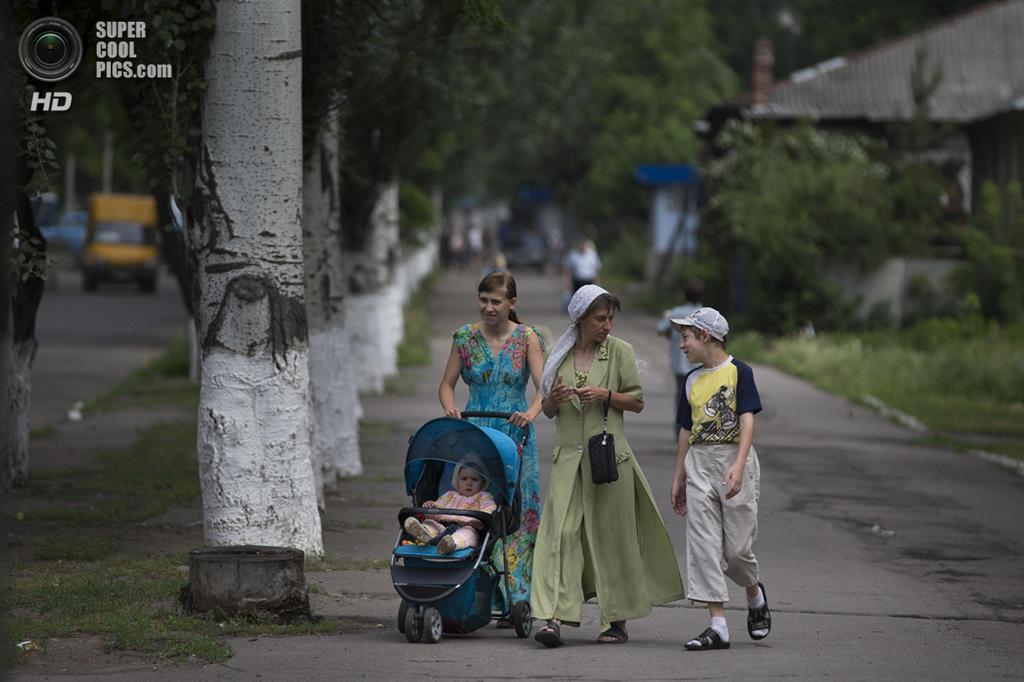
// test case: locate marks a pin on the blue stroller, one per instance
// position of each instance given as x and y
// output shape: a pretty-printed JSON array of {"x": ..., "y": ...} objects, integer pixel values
[{"x": 454, "y": 592}]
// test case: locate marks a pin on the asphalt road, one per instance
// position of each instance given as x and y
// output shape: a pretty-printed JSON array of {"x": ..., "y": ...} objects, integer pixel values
[
  {"x": 882, "y": 559},
  {"x": 88, "y": 342}
]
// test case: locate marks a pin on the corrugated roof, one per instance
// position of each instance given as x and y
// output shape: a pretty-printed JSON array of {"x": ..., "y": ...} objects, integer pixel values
[{"x": 980, "y": 53}]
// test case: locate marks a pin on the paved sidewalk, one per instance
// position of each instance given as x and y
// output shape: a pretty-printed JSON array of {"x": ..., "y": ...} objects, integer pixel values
[{"x": 882, "y": 559}]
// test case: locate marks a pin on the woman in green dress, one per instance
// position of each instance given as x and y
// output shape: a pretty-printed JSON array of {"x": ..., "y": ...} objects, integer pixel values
[{"x": 607, "y": 541}]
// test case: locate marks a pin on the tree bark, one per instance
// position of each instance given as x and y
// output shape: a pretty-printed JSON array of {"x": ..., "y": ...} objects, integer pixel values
[
  {"x": 374, "y": 308},
  {"x": 254, "y": 442},
  {"x": 335, "y": 409}
]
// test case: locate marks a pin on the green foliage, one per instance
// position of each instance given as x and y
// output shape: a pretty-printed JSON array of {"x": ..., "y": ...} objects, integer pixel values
[
  {"x": 415, "y": 213},
  {"x": 167, "y": 112},
  {"x": 610, "y": 85},
  {"x": 993, "y": 247},
  {"x": 790, "y": 201},
  {"x": 397, "y": 82}
]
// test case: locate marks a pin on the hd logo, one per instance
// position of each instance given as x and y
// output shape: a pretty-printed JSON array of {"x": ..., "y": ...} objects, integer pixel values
[
  {"x": 50, "y": 101},
  {"x": 50, "y": 50}
]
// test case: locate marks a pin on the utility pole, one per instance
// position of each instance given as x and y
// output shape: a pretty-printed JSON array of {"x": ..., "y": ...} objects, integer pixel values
[{"x": 108, "y": 161}]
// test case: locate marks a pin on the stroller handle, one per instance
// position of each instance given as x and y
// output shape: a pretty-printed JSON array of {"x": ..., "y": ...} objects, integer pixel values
[
  {"x": 497, "y": 415},
  {"x": 492, "y": 415}
]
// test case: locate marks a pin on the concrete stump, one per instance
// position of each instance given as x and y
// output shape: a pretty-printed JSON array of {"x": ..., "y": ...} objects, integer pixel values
[{"x": 250, "y": 580}]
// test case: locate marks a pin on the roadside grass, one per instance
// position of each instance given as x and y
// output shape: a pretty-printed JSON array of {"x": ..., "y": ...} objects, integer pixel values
[
  {"x": 164, "y": 381},
  {"x": 967, "y": 384},
  {"x": 131, "y": 604},
  {"x": 414, "y": 351},
  {"x": 158, "y": 471}
]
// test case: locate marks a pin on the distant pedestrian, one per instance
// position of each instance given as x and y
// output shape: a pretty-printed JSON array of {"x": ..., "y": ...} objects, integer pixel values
[
  {"x": 693, "y": 291},
  {"x": 717, "y": 478},
  {"x": 582, "y": 266}
]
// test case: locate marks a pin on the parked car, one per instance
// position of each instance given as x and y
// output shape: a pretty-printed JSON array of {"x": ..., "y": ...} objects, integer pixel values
[{"x": 68, "y": 233}]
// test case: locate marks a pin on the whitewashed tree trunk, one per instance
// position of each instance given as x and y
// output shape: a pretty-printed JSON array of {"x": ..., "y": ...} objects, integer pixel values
[
  {"x": 335, "y": 409},
  {"x": 254, "y": 447},
  {"x": 373, "y": 311}
]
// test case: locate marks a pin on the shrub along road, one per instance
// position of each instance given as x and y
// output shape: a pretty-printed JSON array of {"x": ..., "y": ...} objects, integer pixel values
[{"x": 882, "y": 558}]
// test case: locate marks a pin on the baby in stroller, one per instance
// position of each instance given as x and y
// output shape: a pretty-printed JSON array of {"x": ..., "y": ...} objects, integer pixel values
[{"x": 455, "y": 532}]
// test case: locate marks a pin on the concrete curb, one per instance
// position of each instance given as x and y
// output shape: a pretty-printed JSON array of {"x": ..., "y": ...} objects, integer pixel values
[{"x": 911, "y": 422}]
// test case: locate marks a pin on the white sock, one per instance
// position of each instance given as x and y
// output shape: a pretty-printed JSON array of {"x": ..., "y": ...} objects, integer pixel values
[
  {"x": 719, "y": 626},
  {"x": 756, "y": 602}
]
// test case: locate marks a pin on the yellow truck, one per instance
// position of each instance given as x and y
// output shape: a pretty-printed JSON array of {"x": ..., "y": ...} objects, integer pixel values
[{"x": 121, "y": 241}]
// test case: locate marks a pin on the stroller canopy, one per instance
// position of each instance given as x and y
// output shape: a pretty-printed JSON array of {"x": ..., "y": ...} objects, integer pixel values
[{"x": 451, "y": 440}]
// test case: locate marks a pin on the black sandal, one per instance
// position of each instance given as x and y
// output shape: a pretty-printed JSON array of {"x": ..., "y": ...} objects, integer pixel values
[
  {"x": 760, "y": 618},
  {"x": 616, "y": 634},
  {"x": 550, "y": 635},
  {"x": 707, "y": 640}
]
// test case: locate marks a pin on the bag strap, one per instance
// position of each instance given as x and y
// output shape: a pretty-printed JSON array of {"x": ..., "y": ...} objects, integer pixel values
[{"x": 607, "y": 404}]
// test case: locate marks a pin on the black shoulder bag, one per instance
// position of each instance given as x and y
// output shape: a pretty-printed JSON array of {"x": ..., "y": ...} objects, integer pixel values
[{"x": 603, "y": 468}]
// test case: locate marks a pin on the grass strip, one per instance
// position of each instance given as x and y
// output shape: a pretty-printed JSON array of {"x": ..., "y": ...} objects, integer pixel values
[
  {"x": 158, "y": 471},
  {"x": 959, "y": 383},
  {"x": 164, "y": 381},
  {"x": 131, "y": 604}
]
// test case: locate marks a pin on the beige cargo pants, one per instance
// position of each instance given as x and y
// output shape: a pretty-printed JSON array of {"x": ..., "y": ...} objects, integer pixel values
[{"x": 720, "y": 533}]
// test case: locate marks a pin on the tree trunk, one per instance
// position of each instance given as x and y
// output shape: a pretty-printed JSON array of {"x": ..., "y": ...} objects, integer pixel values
[
  {"x": 374, "y": 310},
  {"x": 19, "y": 345},
  {"x": 334, "y": 398},
  {"x": 254, "y": 449}
]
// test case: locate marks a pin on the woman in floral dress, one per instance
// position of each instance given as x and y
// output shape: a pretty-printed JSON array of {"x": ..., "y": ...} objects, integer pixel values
[{"x": 496, "y": 357}]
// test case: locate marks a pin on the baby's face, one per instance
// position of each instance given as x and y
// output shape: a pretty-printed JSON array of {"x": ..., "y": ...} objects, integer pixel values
[{"x": 469, "y": 482}]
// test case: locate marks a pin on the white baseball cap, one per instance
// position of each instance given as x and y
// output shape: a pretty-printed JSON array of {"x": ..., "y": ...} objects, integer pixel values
[{"x": 708, "y": 319}]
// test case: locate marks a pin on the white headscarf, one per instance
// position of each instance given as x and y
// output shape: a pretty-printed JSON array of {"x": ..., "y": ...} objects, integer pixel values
[{"x": 578, "y": 306}]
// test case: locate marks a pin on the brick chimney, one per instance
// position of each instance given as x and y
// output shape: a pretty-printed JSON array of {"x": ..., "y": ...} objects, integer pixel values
[{"x": 764, "y": 61}]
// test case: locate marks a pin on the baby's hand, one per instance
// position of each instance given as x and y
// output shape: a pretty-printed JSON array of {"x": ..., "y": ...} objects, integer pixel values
[{"x": 429, "y": 504}]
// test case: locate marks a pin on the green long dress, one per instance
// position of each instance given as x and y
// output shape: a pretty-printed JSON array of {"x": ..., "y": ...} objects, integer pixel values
[{"x": 609, "y": 540}]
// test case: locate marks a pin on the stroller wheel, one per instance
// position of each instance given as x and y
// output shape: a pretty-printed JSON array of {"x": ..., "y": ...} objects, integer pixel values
[
  {"x": 413, "y": 625},
  {"x": 522, "y": 619},
  {"x": 432, "y": 625},
  {"x": 402, "y": 610}
]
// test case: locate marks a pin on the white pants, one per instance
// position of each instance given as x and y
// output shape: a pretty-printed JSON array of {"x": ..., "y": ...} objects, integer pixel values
[{"x": 720, "y": 533}]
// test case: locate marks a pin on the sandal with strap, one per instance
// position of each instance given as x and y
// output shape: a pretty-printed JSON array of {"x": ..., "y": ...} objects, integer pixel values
[
  {"x": 550, "y": 635},
  {"x": 759, "y": 619},
  {"x": 707, "y": 640},
  {"x": 616, "y": 634}
]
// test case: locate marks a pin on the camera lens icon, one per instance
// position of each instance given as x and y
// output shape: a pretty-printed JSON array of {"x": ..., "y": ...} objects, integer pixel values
[{"x": 50, "y": 49}]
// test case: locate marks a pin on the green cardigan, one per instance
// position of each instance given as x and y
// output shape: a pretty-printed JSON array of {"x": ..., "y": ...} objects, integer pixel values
[{"x": 627, "y": 560}]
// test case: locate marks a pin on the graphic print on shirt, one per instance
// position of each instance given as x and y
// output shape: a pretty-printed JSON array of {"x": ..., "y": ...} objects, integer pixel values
[{"x": 722, "y": 425}]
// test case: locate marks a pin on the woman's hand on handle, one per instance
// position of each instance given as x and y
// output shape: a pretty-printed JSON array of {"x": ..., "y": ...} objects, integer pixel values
[
  {"x": 521, "y": 419},
  {"x": 453, "y": 412}
]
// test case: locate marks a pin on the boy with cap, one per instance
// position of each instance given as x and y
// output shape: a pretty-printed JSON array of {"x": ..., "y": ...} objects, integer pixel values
[{"x": 717, "y": 478}]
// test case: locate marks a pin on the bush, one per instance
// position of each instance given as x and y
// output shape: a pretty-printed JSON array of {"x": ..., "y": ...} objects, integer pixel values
[{"x": 784, "y": 202}]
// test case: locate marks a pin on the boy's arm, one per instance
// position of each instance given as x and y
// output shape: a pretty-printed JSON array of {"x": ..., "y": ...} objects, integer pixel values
[
  {"x": 679, "y": 476},
  {"x": 734, "y": 476}
]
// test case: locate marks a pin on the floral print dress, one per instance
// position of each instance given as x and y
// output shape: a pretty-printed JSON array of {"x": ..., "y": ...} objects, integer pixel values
[{"x": 497, "y": 383}]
